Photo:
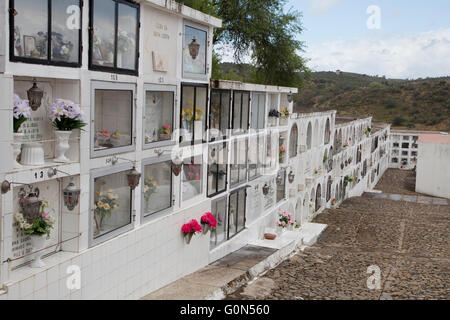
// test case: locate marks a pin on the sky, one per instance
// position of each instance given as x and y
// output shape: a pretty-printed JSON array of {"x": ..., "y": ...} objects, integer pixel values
[{"x": 405, "y": 39}]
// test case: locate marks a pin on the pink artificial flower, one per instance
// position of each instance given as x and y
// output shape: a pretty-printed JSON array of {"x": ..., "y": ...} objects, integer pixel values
[
  {"x": 105, "y": 133},
  {"x": 43, "y": 215},
  {"x": 283, "y": 224},
  {"x": 166, "y": 126},
  {"x": 278, "y": 223},
  {"x": 186, "y": 228},
  {"x": 197, "y": 176}
]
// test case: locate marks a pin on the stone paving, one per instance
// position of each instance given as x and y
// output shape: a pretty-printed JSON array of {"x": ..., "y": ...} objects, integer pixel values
[{"x": 407, "y": 238}]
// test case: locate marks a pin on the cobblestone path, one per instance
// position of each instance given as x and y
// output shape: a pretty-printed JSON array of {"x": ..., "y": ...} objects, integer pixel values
[{"x": 408, "y": 240}]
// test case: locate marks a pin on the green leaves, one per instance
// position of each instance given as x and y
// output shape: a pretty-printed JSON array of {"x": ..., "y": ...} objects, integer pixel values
[{"x": 67, "y": 124}]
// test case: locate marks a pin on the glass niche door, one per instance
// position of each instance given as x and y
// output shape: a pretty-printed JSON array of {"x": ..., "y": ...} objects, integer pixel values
[
  {"x": 112, "y": 118},
  {"x": 111, "y": 203},
  {"x": 158, "y": 120}
]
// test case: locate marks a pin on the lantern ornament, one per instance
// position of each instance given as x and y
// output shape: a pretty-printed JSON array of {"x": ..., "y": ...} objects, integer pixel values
[
  {"x": 35, "y": 95},
  {"x": 290, "y": 97},
  {"x": 176, "y": 165},
  {"x": 133, "y": 178},
  {"x": 194, "y": 48},
  {"x": 30, "y": 204},
  {"x": 278, "y": 179},
  {"x": 291, "y": 176},
  {"x": 71, "y": 196},
  {"x": 265, "y": 189}
]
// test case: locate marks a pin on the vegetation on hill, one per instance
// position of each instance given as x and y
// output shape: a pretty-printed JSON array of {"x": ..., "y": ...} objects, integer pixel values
[{"x": 422, "y": 104}]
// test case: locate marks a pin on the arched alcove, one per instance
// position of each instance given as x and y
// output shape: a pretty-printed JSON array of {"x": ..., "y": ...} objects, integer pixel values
[
  {"x": 293, "y": 141},
  {"x": 309, "y": 136}
]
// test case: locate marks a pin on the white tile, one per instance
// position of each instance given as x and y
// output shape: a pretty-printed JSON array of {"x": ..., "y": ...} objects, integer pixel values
[
  {"x": 26, "y": 287},
  {"x": 41, "y": 294},
  {"x": 40, "y": 280},
  {"x": 53, "y": 274}
]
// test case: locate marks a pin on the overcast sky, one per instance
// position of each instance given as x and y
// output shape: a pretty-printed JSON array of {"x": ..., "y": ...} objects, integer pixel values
[{"x": 413, "y": 40}]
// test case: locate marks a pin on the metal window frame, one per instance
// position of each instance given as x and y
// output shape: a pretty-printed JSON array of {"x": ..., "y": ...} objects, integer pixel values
[
  {"x": 226, "y": 132},
  {"x": 48, "y": 61},
  {"x": 225, "y": 147},
  {"x": 103, "y": 172},
  {"x": 113, "y": 86},
  {"x": 195, "y": 76},
  {"x": 145, "y": 217},
  {"x": 195, "y": 86},
  {"x": 238, "y": 140},
  {"x": 159, "y": 88},
  {"x": 258, "y": 94},
  {"x": 233, "y": 111},
  {"x": 225, "y": 197},
  {"x": 115, "y": 69},
  {"x": 237, "y": 191}
]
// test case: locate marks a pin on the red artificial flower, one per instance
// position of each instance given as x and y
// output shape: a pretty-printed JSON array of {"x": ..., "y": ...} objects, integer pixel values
[
  {"x": 186, "y": 228},
  {"x": 209, "y": 219},
  {"x": 195, "y": 226}
]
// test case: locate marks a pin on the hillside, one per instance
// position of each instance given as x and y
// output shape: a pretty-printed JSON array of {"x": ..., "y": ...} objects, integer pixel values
[{"x": 422, "y": 104}]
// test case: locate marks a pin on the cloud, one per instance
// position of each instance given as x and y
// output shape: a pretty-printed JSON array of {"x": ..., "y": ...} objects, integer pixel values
[
  {"x": 420, "y": 55},
  {"x": 322, "y": 6}
]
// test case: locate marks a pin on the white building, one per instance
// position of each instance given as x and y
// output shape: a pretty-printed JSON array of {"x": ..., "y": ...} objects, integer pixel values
[
  {"x": 155, "y": 75},
  {"x": 433, "y": 165}
]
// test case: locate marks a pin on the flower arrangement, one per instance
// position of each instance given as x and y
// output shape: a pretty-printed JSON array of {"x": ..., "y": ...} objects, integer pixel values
[
  {"x": 284, "y": 113},
  {"x": 193, "y": 172},
  {"x": 189, "y": 229},
  {"x": 349, "y": 179},
  {"x": 61, "y": 48},
  {"x": 66, "y": 115},
  {"x": 106, "y": 203},
  {"x": 285, "y": 220},
  {"x": 188, "y": 114},
  {"x": 42, "y": 225},
  {"x": 317, "y": 171},
  {"x": 333, "y": 202},
  {"x": 165, "y": 129},
  {"x": 208, "y": 221},
  {"x": 325, "y": 158},
  {"x": 367, "y": 131},
  {"x": 150, "y": 187},
  {"x": 274, "y": 113},
  {"x": 346, "y": 145},
  {"x": 21, "y": 112}
]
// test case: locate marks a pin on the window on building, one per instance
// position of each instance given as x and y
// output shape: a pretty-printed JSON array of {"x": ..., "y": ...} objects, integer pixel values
[
  {"x": 192, "y": 178},
  {"x": 404, "y": 153},
  {"x": 113, "y": 118},
  {"x": 156, "y": 186},
  {"x": 31, "y": 23},
  {"x": 193, "y": 113},
  {"x": 405, "y": 145},
  {"x": 293, "y": 141},
  {"x": 414, "y": 154},
  {"x": 195, "y": 38},
  {"x": 114, "y": 36},
  {"x": 219, "y": 114},
  {"x": 258, "y": 110},
  {"x": 394, "y": 160},
  {"x": 217, "y": 169},
  {"x": 238, "y": 165},
  {"x": 112, "y": 203},
  {"x": 236, "y": 213},
  {"x": 219, "y": 210},
  {"x": 241, "y": 111},
  {"x": 396, "y": 145},
  {"x": 158, "y": 115},
  {"x": 281, "y": 185}
]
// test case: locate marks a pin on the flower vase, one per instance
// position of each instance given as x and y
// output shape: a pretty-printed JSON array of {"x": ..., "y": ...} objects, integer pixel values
[
  {"x": 188, "y": 238},
  {"x": 205, "y": 228},
  {"x": 61, "y": 145},
  {"x": 38, "y": 243},
  {"x": 17, "y": 148},
  {"x": 164, "y": 136},
  {"x": 32, "y": 154},
  {"x": 280, "y": 231}
]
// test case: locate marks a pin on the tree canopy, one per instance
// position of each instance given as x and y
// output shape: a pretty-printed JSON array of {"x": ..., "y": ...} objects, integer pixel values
[{"x": 263, "y": 31}]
